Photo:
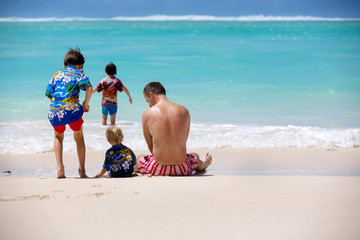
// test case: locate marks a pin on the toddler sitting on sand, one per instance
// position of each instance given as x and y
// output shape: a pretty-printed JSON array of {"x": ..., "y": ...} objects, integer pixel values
[{"x": 119, "y": 159}]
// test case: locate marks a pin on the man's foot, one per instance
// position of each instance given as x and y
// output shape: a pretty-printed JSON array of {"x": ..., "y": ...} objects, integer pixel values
[
  {"x": 202, "y": 165},
  {"x": 208, "y": 160},
  {"x": 82, "y": 173}
]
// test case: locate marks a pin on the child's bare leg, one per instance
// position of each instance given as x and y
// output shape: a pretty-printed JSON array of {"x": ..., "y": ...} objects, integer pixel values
[
  {"x": 104, "y": 118},
  {"x": 202, "y": 165},
  {"x": 112, "y": 119},
  {"x": 81, "y": 151},
  {"x": 58, "y": 148}
]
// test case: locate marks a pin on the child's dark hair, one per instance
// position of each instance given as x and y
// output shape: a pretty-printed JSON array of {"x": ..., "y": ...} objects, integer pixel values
[
  {"x": 74, "y": 57},
  {"x": 110, "y": 69}
]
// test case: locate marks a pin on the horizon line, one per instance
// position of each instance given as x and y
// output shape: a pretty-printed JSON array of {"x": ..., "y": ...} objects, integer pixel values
[{"x": 245, "y": 18}]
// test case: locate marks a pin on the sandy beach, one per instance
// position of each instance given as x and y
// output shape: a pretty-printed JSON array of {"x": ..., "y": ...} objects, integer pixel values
[{"x": 280, "y": 193}]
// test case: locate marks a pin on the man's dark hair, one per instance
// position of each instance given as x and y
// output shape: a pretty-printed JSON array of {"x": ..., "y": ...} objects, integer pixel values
[
  {"x": 154, "y": 87},
  {"x": 110, "y": 69},
  {"x": 74, "y": 57}
]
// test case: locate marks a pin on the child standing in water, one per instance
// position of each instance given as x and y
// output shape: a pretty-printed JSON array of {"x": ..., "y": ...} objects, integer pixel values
[
  {"x": 109, "y": 86},
  {"x": 63, "y": 90}
]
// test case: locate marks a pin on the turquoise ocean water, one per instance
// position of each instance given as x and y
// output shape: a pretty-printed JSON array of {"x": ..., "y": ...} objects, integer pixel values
[{"x": 247, "y": 83}]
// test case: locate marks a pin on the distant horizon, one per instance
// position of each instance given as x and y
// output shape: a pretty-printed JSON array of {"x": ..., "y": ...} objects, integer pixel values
[
  {"x": 136, "y": 8},
  {"x": 162, "y": 17}
]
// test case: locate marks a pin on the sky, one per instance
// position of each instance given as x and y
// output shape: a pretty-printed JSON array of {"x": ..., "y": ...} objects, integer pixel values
[{"x": 130, "y": 8}]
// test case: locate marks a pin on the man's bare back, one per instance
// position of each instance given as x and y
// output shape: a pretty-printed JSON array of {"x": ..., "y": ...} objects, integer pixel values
[{"x": 166, "y": 129}]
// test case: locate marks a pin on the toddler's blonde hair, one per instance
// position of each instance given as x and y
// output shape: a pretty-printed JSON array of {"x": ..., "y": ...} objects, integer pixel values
[{"x": 114, "y": 135}]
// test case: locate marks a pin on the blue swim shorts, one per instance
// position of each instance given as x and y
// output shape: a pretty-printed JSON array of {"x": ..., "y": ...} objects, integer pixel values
[{"x": 109, "y": 109}]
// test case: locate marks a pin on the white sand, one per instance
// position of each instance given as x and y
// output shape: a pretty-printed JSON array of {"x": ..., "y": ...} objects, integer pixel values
[{"x": 210, "y": 206}]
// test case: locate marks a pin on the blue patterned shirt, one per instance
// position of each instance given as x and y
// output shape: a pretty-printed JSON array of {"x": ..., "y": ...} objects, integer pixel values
[
  {"x": 120, "y": 161},
  {"x": 63, "y": 90}
]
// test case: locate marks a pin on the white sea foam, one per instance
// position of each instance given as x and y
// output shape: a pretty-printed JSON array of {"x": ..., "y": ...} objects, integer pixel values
[
  {"x": 252, "y": 18},
  {"x": 37, "y": 137}
]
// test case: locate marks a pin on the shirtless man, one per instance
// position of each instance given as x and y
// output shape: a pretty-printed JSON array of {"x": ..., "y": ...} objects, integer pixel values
[{"x": 166, "y": 127}]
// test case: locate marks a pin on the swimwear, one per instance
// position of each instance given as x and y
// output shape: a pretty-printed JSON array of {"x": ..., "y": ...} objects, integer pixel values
[
  {"x": 120, "y": 161},
  {"x": 63, "y": 90},
  {"x": 75, "y": 126},
  {"x": 110, "y": 86},
  {"x": 148, "y": 165},
  {"x": 109, "y": 109}
]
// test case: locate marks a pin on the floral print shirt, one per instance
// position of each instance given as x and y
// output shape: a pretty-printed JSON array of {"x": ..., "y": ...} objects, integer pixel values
[
  {"x": 110, "y": 86},
  {"x": 63, "y": 90},
  {"x": 120, "y": 161}
]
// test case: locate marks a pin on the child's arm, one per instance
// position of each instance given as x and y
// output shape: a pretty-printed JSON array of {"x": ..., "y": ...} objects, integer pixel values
[
  {"x": 127, "y": 93},
  {"x": 88, "y": 94},
  {"x": 103, "y": 171}
]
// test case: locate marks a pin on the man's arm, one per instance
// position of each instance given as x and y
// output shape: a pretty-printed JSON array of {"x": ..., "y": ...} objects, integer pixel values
[
  {"x": 188, "y": 119},
  {"x": 147, "y": 135}
]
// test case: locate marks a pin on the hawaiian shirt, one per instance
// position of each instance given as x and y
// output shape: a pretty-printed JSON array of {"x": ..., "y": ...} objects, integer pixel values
[
  {"x": 110, "y": 86},
  {"x": 63, "y": 90},
  {"x": 120, "y": 161}
]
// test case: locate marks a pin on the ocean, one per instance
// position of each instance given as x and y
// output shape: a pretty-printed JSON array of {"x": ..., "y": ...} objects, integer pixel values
[{"x": 248, "y": 82}]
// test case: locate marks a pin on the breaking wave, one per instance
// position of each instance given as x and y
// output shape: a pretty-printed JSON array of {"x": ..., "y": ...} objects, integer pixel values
[{"x": 37, "y": 136}]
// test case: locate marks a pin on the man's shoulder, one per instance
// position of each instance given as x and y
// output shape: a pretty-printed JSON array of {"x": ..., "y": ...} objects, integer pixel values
[
  {"x": 181, "y": 108},
  {"x": 147, "y": 112},
  {"x": 151, "y": 114},
  {"x": 159, "y": 110}
]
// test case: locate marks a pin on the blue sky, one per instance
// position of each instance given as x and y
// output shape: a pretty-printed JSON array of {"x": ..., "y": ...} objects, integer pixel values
[{"x": 113, "y": 8}]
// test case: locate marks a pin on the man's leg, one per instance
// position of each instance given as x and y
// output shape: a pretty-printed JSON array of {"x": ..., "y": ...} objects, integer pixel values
[
  {"x": 202, "y": 165},
  {"x": 81, "y": 151},
  {"x": 112, "y": 119},
  {"x": 58, "y": 148},
  {"x": 136, "y": 167}
]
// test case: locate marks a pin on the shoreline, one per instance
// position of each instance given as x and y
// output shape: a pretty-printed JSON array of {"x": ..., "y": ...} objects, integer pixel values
[{"x": 227, "y": 161}]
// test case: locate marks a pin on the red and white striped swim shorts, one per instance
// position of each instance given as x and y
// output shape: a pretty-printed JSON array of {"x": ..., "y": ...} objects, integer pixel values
[{"x": 148, "y": 165}]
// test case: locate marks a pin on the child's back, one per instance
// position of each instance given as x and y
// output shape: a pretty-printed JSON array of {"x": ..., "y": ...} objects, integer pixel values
[
  {"x": 63, "y": 90},
  {"x": 109, "y": 87},
  {"x": 119, "y": 159}
]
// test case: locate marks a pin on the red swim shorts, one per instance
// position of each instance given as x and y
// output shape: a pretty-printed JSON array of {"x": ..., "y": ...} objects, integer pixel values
[
  {"x": 75, "y": 126},
  {"x": 148, "y": 165}
]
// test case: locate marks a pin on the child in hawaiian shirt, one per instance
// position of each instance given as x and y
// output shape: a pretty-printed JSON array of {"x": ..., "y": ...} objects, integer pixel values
[
  {"x": 109, "y": 86},
  {"x": 63, "y": 90},
  {"x": 119, "y": 159}
]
